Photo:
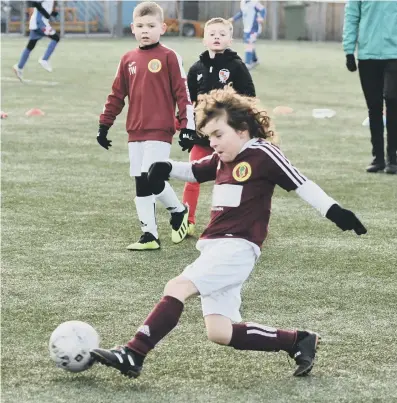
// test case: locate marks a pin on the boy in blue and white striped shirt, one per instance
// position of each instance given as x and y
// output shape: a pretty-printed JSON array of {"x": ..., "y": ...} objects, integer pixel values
[
  {"x": 253, "y": 14},
  {"x": 39, "y": 26}
]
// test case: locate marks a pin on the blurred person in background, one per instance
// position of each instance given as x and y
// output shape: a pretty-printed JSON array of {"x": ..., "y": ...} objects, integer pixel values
[
  {"x": 253, "y": 14},
  {"x": 372, "y": 27},
  {"x": 39, "y": 26}
]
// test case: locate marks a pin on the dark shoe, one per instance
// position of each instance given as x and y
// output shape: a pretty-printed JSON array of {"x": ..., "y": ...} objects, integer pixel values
[
  {"x": 391, "y": 168},
  {"x": 179, "y": 224},
  {"x": 304, "y": 353},
  {"x": 376, "y": 165},
  {"x": 146, "y": 242},
  {"x": 120, "y": 358}
]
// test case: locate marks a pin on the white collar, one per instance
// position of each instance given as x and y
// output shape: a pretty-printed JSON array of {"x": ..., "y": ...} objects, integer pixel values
[{"x": 248, "y": 144}]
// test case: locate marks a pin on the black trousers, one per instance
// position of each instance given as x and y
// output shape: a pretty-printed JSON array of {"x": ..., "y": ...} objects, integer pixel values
[{"x": 379, "y": 82}]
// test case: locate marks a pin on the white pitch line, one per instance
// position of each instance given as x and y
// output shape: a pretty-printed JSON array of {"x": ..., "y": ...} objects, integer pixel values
[{"x": 38, "y": 82}]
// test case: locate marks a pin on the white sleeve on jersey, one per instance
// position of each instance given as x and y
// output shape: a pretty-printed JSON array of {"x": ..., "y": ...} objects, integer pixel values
[
  {"x": 315, "y": 196},
  {"x": 182, "y": 171}
]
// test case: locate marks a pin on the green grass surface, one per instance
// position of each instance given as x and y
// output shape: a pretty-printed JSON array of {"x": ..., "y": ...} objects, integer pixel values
[{"x": 68, "y": 214}]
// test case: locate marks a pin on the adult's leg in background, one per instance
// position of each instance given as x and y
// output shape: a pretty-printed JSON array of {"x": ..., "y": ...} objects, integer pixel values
[
  {"x": 391, "y": 109},
  {"x": 372, "y": 82}
]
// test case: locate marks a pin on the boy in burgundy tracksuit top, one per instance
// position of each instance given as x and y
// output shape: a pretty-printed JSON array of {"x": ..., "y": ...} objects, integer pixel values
[{"x": 153, "y": 79}]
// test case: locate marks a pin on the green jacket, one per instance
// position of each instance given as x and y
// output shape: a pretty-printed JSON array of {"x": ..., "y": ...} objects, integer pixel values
[{"x": 372, "y": 25}]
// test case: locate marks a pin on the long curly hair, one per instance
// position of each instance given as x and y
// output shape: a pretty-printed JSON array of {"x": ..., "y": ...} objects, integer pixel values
[{"x": 243, "y": 113}]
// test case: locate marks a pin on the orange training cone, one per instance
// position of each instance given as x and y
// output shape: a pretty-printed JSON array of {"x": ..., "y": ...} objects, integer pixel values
[
  {"x": 35, "y": 112},
  {"x": 282, "y": 110}
]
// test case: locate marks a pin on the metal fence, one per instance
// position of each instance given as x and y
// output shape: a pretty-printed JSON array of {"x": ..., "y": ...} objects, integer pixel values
[
  {"x": 320, "y": 20},
  {"x": 75, "y": 17}
]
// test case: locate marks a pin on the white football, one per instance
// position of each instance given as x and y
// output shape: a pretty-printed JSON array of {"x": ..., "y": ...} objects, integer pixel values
[{"x": 70, "y": 345}]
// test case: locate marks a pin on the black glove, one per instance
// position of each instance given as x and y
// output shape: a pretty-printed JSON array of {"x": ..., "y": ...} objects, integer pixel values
[
  {"x": 351, "y": 63},
  {"x": 54, "y": 14},
  {"x": 102, "y": 137},
  {"x": 159, "y": 171},
  {"x": 345, "y": 219},
  {"x": 187, "y": 139},
  {"x": 203, "y": 141}
]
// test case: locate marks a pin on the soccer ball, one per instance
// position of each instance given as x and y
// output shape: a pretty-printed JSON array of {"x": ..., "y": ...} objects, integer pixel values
[{"x": 70, "y": 345}]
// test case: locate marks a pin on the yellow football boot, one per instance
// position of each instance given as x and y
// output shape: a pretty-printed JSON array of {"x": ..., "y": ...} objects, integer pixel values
[
  {"x": 191, "y": 229},
  {"x": 146, "y": 242},
  {"x": 179, "y": 224}
]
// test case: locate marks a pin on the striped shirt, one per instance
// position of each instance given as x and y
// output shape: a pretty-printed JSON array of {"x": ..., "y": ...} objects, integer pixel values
[
  {"x": 250, "y": 11},
  {"x": 37, "y": 20},
  {"x": 243, "y": 190}
]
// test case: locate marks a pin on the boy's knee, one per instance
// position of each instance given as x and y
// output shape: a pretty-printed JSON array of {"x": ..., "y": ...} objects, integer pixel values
[
  {"x": 55, "y": 37},
  {"x": 219, "y": 329},
  {"x": 218, "y": 336},
  {"x": 156, "y": 186},
  {"x": 171, "y": 286},
  {"x": 181, "y": 288},
  {"x": 31, "y": 44},
  {"x": 142, "y": 185}
]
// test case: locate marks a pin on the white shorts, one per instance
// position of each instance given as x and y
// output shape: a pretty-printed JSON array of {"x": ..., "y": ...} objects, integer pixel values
[
  {"x": 145, "y": 153},
  {"x": 219, "y": 273}
]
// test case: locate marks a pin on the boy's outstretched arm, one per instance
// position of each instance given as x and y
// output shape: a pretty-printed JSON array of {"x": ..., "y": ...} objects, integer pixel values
[
  {"x": 281, "y": 172},
  {"x": 260, "y": 8},
  {"x": 164, "y": 170},
  {"x": 203, "y": 170},
  {"x": 236, "y": 16},
  {"x": 328, "y": 207},
  {"x": 113, "y": 106}
]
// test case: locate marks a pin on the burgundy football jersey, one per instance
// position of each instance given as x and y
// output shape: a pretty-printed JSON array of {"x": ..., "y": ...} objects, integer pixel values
[
  {"x": 241, "y": 199},
  {"x": 154, "y": 81}
]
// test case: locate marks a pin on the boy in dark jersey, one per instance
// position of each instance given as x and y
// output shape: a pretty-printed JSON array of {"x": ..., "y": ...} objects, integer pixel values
[
  {"x": 218, "y": 66},
  {"x": 246, "y": 167},
  {"x": 153, "y": 79}
]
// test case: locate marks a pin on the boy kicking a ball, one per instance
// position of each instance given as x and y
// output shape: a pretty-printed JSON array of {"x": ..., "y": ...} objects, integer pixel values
[
  {"x": 153, "y": 79},
  {"x": 246, "y": 167}
]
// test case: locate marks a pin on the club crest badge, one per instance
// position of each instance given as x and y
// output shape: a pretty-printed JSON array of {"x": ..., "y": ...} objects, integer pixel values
[
  {"x": 154, "y": 65},
  {"x": 242, "y": 172},
  {"x": 224, "y": 74}
]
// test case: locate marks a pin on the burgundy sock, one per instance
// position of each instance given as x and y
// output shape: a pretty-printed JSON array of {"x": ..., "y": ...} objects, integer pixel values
[
  {"x": 157, "y": 325},
  {"x": 252, "y": 336}
]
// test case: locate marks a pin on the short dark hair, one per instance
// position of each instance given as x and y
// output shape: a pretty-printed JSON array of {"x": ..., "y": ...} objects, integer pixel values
[{"x": 148, "y": 8}]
